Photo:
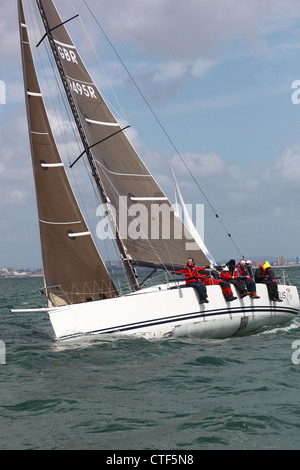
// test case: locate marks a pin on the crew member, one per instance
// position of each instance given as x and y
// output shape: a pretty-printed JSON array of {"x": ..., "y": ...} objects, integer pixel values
[
  {"x": 231, "y": 275},
  {"x": 247, "y": 276},
  {"x": 192, "y": 279},
  {"x": 264, "y": 274},
  {"x": 195, "y": 277}
]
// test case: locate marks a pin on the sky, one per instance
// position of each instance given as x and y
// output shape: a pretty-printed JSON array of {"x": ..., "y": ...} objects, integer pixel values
[{"x": 221, "y": 77}]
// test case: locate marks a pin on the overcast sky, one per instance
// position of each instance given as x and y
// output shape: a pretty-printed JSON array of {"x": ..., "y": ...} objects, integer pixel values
[{"x": 217, "y": 73}]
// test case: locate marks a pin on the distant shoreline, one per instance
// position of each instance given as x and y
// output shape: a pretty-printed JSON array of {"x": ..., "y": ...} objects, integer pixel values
[
  {"x": 21, "y": 276},
  {"x": 37, "y": 275},
  {"x": 286, "y": 266}
]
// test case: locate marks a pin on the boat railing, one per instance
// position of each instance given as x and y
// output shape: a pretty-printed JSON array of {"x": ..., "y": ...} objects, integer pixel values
[
  {"x": 59, "y": 296},
  {"x": 284, "y": 278}
]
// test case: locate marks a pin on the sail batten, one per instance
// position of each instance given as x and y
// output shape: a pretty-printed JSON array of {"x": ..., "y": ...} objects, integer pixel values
[
  {"x": 36, "y": 94},
  {"x": 102, "y": 123},
  {"x": 59, "y": 223},
  {"x": 79, "y": 234},
  {"x": 71, "y": 263},
  {"x": 50, "y": 165},
  {"x": 81, "y": 81},
  {"x": 69, "y": 46}
]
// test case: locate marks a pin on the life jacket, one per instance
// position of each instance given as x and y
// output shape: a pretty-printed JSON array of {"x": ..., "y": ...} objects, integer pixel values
[
  {"x": 263, "y": 271},
  {"x": 191, "y": 274},
  {"x": 243, "y": 271},
  {"x": 227, "y": 275}
]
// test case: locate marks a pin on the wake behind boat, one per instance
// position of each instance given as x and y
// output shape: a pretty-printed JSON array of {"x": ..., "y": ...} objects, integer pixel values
[{"x": 81, "y": 296}]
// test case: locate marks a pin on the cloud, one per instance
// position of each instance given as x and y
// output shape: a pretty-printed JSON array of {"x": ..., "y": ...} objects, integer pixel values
[
  {"x": 288, "y": 164},
  {"x": 193, "y": 28},
  {"x": 160, "y": 27},
  {"x": 161, "y": 80},
  {"x": 168, "y": 46},
  {"x": 9, "y": 32},
  {"x": 201, "y": 166},
  {"x": 14, "y": 198}
]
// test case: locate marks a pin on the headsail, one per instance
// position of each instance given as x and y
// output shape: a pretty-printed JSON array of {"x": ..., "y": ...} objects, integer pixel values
[
  {"x": 73, "y": 269},
  {"x": 151, "y": 233},
  {"x": 188, "y": 221}
]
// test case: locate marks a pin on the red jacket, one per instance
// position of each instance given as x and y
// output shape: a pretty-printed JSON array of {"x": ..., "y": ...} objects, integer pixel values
[
  {"x": 192, "y": 274},
  {"x": 227, "y": 275}
]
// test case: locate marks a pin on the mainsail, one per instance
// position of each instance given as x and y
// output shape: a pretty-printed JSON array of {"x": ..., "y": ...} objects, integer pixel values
[
  {"x": 144, "y": 220},
  {"x": 73, "y": 269}
]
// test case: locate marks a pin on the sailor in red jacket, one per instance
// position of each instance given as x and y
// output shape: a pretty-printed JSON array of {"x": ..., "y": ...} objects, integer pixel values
[
  {"x": 230, "y": 273},
  {"x": 192, "y": 279},
  {"x": 195, "y": 277}
]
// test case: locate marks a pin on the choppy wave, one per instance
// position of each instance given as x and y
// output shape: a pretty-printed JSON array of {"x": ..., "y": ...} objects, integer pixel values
[{"x": 181, "y": 394}]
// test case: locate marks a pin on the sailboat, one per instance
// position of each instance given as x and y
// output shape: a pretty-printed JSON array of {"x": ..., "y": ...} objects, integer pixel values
[{"x": 81, "y": 296}]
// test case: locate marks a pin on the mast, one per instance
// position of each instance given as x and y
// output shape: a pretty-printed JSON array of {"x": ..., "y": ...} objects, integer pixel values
[{"x": 130, "y": 270}]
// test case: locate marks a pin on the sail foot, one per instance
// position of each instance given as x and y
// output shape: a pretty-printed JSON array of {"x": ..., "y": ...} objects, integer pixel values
[{"x": 78, "y": 293}]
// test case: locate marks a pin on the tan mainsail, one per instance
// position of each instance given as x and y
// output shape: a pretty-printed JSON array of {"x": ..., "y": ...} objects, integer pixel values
[
  {"x": 122, "y": 172},
  {"x": 73, "y": 268}
]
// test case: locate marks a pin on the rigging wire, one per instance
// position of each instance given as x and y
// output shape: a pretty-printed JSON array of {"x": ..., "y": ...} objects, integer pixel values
[{"x": 164, "y": 130}]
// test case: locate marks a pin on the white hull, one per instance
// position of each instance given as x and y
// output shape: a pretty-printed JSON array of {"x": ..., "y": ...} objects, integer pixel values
[{"x": 159, "y": 311}]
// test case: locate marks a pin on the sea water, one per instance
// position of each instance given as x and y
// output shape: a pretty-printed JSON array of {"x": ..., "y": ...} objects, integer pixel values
[{"x": 134, "y": 394}]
